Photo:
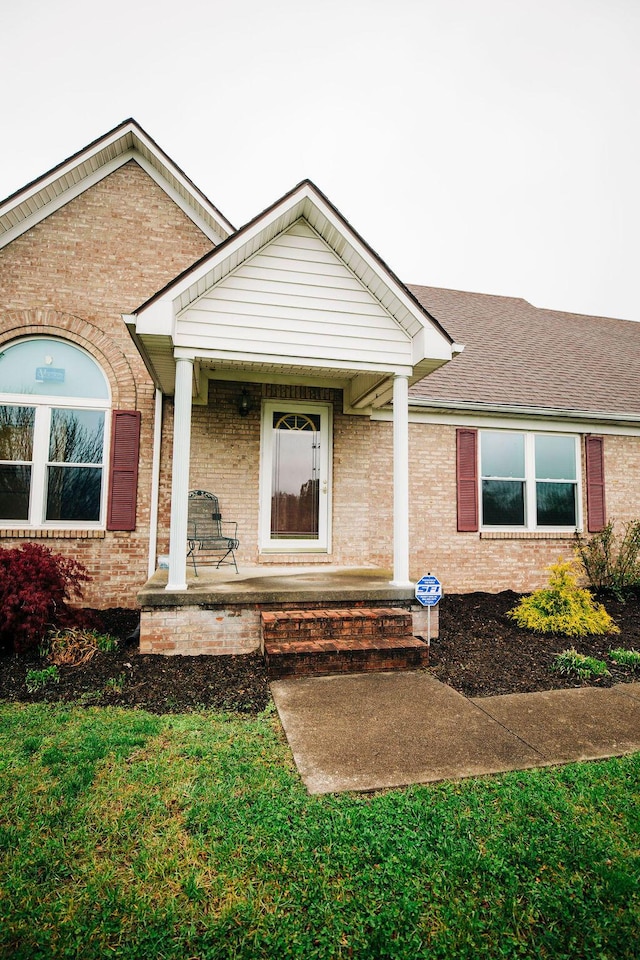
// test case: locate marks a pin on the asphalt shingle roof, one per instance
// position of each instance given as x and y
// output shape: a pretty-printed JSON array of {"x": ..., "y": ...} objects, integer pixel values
[{"x": 518, "y": 355}]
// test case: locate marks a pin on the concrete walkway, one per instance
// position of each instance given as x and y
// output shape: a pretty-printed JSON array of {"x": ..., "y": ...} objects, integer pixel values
[{"x": 380, "y": 730}]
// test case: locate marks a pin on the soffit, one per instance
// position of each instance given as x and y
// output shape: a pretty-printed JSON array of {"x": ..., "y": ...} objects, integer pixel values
[{"x": 34, "y": 202}]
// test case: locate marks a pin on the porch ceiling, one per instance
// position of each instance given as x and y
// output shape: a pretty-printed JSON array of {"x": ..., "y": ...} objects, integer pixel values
[{"x": 363, "y": 388}]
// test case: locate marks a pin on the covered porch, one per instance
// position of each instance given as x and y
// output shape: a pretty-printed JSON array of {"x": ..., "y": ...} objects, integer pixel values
[{"x": 295, "y": 301}]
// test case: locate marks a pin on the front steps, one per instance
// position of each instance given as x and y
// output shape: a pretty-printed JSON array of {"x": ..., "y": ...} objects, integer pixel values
[{"x": 303, "y": 643}]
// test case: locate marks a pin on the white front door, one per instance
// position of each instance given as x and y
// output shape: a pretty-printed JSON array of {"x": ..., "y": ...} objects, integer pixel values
[{"x": 295, "y": 477}]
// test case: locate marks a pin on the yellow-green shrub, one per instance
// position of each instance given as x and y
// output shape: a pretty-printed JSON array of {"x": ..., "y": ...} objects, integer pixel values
[{"x": 562, "y": 607}]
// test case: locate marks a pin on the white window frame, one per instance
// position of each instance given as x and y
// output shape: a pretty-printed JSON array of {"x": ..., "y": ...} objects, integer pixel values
[
  {"x": 44, "y": 404},
  {"x": 530, "y": 502}
]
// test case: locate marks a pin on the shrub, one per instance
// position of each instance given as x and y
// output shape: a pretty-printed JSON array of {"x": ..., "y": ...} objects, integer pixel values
[
  {"x": 610, "y": 562},
  {"x": 562, "y": 607},
  {"x": 35, "y": 588},
  {"x": 572, "y": 663}
]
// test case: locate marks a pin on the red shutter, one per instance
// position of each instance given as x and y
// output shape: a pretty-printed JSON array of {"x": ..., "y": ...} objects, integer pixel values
[
  {"x": 467, "y": 478},
  {"x": 596, "y": 509},
  {"x": 123, "y": 470}
]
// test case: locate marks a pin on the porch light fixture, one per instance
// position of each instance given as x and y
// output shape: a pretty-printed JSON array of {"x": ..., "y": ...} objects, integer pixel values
[{"x": 244, "y": 403}]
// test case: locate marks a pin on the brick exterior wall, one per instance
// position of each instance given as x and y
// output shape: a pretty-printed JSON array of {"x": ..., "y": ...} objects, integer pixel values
[
  {"x": 72, "y": 276},
  {"x": 110, "y": 249},
  {"x": 226, "y": 447}
]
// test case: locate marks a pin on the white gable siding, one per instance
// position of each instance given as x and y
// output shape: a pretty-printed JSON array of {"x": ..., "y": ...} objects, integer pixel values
[{"x": 295, "y": 299}]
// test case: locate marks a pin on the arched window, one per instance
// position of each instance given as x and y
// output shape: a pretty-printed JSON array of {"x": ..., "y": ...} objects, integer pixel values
[{"x": 54, "y": 408}]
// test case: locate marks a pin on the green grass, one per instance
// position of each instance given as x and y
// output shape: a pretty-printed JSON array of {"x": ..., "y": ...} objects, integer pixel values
[{"x": 134, "y": 836}]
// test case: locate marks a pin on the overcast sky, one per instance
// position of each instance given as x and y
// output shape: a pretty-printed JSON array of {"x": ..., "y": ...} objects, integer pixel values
[{"x": 489, "y": 145}]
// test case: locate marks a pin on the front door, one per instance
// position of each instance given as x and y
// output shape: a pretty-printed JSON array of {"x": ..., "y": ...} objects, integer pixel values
[{"x": 295, "y": 488}]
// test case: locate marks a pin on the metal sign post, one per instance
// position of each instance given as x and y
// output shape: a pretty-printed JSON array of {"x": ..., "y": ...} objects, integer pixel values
[{"x": 428, "y": 593}]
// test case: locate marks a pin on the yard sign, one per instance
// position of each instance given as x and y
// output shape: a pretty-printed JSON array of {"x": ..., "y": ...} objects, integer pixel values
[{"x": 428, "y": 593}]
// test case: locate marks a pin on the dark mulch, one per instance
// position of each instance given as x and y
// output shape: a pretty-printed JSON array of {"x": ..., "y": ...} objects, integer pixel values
[{"x": 480, "y": 653}]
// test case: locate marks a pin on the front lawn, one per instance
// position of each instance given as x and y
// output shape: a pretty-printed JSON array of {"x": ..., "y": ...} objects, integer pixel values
[{"x": 126, "y": 834}]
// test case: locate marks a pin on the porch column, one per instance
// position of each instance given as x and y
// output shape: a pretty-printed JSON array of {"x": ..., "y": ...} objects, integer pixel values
[
  {"x": 401, "y": 482},
  {"x": 180, "y": 476}
]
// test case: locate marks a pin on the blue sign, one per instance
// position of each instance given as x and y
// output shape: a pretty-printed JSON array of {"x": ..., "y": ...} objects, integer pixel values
[
  {"x": 49, "y": 375},
  {"x": 428, "y": 591}
]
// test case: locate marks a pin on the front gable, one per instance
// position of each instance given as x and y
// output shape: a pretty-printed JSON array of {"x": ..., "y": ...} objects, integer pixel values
[
  {"x": 295, "y": 301},
  {"x": 295, "y": 292},
  {"x": 70, "y": 179}
]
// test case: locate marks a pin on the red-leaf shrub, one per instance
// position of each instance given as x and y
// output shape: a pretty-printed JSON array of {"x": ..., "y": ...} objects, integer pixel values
[{"x": 35, "y": 587}]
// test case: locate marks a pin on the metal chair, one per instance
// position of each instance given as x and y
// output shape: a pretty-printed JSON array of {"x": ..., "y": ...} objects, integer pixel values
[{"x": 205, "y": 535}]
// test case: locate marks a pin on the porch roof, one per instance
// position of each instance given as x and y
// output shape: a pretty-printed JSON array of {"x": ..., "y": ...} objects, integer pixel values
[{"x": 295, "y": 292}]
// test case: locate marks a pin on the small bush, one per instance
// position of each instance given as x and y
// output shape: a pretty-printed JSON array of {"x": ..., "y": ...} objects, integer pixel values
[
  {"x": 611, "y": 562},
  {"x": 74, "y": 647},
  {"x": 35, "y": 679},
  {"x": 572, "y": 663},
  {"x": 626, "y": 658},
  {"x": 36, "y": 586},
  {"x": 562, "y": 607}
]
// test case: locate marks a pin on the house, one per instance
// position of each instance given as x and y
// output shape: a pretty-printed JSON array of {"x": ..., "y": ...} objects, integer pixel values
[{"x": 347, "y": 421}]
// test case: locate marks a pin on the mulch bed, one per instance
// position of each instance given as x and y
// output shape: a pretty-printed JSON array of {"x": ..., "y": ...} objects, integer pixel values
[{"x": 480, "y": 653}]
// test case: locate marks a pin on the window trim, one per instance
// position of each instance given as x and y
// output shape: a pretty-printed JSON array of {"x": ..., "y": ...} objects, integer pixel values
[
  {"x": 530, "y": 481},
  {"x": 44, "y": 404}
]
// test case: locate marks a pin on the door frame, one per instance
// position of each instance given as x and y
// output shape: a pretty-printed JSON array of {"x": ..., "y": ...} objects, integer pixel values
[{"x": 323, "y": 543}]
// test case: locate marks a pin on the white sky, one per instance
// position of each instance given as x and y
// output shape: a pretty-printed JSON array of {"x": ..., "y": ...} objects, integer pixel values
[{"x": 489, "y": 145}]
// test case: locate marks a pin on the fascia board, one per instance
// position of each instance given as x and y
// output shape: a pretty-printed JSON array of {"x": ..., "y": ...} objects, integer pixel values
[
  {"x": 69, "y": 194},
  {"x": 186, "y": 349},
  {"x": 232, "y": 248},
  {"x": 158, "y": 318},
  {"x": 428, "y": 410},
  {"x": 216, "y": 236},
  {"x": 371, "y": 261},
  {"x": 134, "y": 142}
]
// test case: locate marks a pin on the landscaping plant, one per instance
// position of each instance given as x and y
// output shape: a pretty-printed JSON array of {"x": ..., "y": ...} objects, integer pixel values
[
  {"x": 626, "y": 658},
  {"x": 72, "y": 647},
  {"x": 572, "y": 663},
  {"x": 610, "y": 562},
  {"x": 36, "y": 586},
  {"x": 35, "y": 679},
  {"x": 562, "y": 607}
]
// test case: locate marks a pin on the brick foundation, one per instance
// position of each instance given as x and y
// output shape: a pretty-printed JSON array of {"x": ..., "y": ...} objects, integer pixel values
[{"x": 190, "y": 630}]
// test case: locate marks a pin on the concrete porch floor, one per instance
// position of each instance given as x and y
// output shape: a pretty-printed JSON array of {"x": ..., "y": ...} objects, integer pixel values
[{"x": 275, "y": 584}]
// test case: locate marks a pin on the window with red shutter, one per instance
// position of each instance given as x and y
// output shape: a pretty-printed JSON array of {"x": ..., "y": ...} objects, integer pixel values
[
  {"x": 467, "y": 477},
  {"x": 123, "y": 472},
  {"x": 596, "y": 507}
]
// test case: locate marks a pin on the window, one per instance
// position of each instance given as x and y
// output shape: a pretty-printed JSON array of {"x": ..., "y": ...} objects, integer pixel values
[
  {"x": 528, "y": 480},
  {"x": 54, "y": 402}
]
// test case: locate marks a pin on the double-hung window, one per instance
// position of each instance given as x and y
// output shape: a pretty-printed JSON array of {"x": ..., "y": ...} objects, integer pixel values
[
  {"x": 54, "y": 405},
  {"x": 529, "y": 480}
]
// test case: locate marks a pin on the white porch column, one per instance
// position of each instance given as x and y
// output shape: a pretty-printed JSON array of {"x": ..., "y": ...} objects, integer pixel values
[
  {"x": 180, "y": 476},
  {"x": 401, "y": 482}
]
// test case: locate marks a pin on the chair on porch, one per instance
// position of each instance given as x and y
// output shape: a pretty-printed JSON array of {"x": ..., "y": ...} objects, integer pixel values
[{"x": 210, "y": 538}]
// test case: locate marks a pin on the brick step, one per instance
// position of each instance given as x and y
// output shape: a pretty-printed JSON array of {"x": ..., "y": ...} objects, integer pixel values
[
  {"x": 322, "y": 624},
  {"x": 305, "y": 658}
]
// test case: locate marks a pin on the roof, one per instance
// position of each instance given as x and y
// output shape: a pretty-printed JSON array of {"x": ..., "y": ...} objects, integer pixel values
[
  {"x": 519, "y": 356},
  {"x": 128, "y": 141}
]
